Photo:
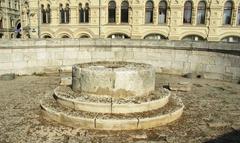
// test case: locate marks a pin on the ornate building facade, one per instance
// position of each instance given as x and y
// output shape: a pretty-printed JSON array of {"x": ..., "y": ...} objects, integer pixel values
[
  {"x": 196, "y": 20},
  {"x": 10, "y": 19}
]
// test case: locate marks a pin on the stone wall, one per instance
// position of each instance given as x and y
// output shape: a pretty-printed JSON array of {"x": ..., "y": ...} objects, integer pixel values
[{"x": 210, "y": 60}]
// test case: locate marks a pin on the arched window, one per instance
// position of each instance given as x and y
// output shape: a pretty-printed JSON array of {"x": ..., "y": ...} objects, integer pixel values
[
  {"x": 201, "y": 12},
  {"x": 193, "y": 38},
  {"x": 149, "y": 12},
  {"x": 124, "y": 12},
  {"x": 1, "y": 23},
  {"x": 67, "y": 13},
  {"x": 238, "y": 19},
  {"x": 12, "y": 35},
  {"x": 62, "y": 14},
  {"x": 11, "y": 22},
  {"x": 155, "y": 37},
  {"x": 231, "y": 39},
  {"x": 15, "y": 4},
  {"x": 18, "y": 35},
  {"x": 43, "y": 14},
  {"x": 48, "y": 14},
  {"x": 162, "y": 12},
  {"x": 85, "y": 36},
  {"x": 187, "y": 17},
  {"x": 65, "y": 36},
  {"x": 227, "y": 15},
  {"x": 81, "y": 13},
  {"x": 86, "y": 13},
  {"x": 118, "y": 36},
  {"x": 112, "y": 12},
  {"x": 47, "y": 36}
]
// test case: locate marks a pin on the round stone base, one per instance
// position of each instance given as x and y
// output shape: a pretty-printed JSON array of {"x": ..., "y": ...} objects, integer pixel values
[
  {"x": 105, "y": 104},
  {"x": 102, "y": 121},
  {"x": 120, "y": 79}
]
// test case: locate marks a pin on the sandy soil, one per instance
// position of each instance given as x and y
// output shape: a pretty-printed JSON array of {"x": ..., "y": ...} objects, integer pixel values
[{"x": 212, "y": 115}]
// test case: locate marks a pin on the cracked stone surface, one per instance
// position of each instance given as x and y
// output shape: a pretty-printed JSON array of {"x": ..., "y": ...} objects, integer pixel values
[{"x": 211, "y": 114}]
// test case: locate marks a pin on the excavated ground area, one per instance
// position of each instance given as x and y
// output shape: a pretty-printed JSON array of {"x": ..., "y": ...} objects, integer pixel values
[{"x": 211, "y": 115}]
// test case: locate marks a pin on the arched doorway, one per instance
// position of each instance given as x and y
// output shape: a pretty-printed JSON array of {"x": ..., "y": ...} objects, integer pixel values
[{"x": 18, "y": 31}]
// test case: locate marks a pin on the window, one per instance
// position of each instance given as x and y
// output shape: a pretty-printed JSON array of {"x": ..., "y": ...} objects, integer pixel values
[
  {"x": 118, "y": 36},
  {"x": 112, "y": 12},
  {"x": 1, "y": 23},
  {"x": 64, "y": 13},
  {"x": 65, "y": 36},
  {"x": 15, "y": 4},
  {"x": 9, "y": 4},
  {"x": 193, "y": 38},
  {"x": 201, "y": 12},
  {"x": 162, "y": 12},
  {"x": 18, "y": 35},
  {"x": 43, "y": 14},
  {"x": 48, "y": 14},
  {"x": 84, "y": 36},
  {"x": 11, "y": 22},
  {"x": 231, "y": 39},
  {"x": 86, "y": 13},
  {"x": 227, "y": 15},
  {"x": 124, "y": 12},
  {"x": 187, "y": 17},
  {"x": 67, "y": 13},
  {"x": 155, "y": 37},
  {"x": 149, "y": 12},
  {"x": 47, "y": 36},
  {"x": 238, "y": 19},
  {"x": 1, "y": 35},
  {"x": 81, "y": 13}
]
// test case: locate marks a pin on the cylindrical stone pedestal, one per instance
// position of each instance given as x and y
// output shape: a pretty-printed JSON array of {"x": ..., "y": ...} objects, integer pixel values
[{"x": 113, "y": 78}]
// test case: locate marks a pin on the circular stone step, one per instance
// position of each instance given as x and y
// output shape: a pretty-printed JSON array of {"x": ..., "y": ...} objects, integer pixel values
[
  {"x": 90, "y": 120},
  {"x": 107, "y": 104}
]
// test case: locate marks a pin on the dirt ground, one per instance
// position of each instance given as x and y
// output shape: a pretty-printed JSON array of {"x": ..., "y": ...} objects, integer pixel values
[{"x": 211, "y": 115}]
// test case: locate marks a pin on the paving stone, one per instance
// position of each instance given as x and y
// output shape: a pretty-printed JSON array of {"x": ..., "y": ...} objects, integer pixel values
[
  {"x": 139, "y": 136},
  {"x": 218, "y": 124},
  {"x": 236, "y": 127},
  {"x": 66, "y": 81},
  {"x": 181, "y": 86}
]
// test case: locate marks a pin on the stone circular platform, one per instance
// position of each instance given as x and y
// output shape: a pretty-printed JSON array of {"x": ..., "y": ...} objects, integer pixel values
[
  {"x": 105, "y": 104},
  {"x": 120, "y": 79},
  {"x": 112, "y": 96},
  {"x": 107, "y": 121}
]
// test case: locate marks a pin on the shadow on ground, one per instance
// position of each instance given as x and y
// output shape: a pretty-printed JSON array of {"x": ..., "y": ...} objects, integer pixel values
[{"x": 232, "y": 137}]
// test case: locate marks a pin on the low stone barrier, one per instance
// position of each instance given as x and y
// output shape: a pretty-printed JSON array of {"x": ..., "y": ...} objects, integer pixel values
[{"x": 208, "y": 59}]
